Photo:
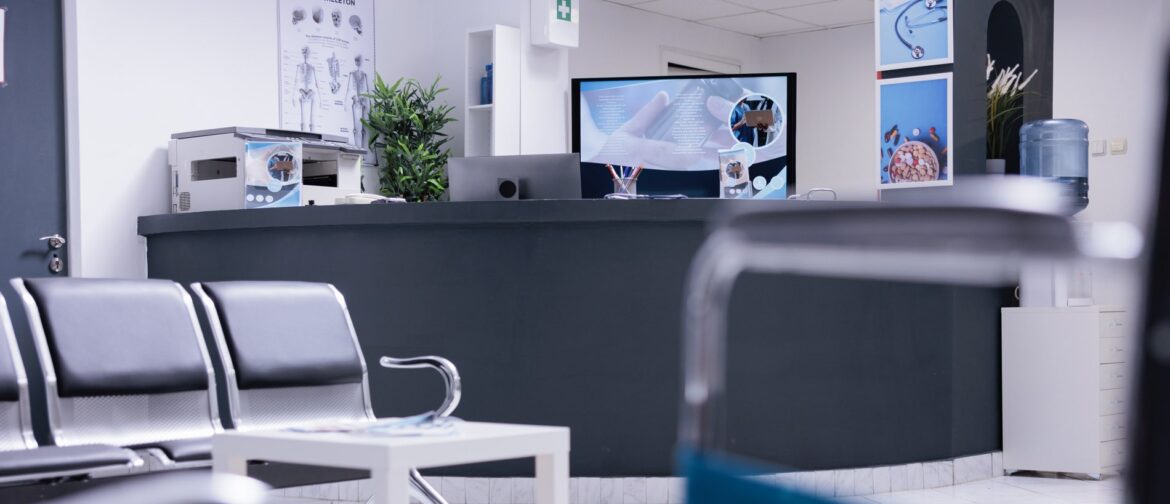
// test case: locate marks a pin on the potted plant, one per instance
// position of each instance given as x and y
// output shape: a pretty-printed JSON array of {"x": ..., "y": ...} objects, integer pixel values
[
  {"x": 406, "y": 127},
  {"x": 1005, "y": 99}
]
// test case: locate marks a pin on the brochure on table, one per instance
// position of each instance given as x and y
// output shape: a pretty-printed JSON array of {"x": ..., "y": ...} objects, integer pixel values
[{"x": 326, "y": 66}]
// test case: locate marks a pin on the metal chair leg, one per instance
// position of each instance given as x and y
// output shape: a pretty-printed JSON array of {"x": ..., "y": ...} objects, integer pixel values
[{"x": 423, "y": 490}]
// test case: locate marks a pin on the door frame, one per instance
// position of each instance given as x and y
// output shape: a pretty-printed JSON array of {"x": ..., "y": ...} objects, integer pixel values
[{"x": 73, "y": 238}]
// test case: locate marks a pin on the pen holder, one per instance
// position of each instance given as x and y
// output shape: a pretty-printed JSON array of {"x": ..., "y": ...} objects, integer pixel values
[{"x": 626, "y": 186}]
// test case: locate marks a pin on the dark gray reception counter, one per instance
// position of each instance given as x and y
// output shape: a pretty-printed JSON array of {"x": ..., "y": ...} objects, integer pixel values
[{"x": 569, "y": 313}]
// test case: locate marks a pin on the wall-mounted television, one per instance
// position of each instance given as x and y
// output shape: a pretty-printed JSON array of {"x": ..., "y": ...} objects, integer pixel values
[{"x": 688, "y": 133}]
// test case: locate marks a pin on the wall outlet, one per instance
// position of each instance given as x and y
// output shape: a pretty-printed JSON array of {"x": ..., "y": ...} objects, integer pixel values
[
  {"x": 1118, "y": 146},
  {"x": 1097, "y": 147}
]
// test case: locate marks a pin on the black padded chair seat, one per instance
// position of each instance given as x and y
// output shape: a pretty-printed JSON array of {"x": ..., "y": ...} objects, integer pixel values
[
  {"x": 62, "y": 459},
  {"x": 286, "y": 334},
  {"x": 119, "y": 337},
  {"x": 182, "y": 450}
]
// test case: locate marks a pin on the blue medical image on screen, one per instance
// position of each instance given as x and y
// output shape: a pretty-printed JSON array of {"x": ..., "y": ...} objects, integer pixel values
[{"x": 675, "y": 128}]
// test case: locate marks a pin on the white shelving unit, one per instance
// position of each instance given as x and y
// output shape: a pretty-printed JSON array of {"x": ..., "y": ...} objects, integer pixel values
[
  {"x": 1065, "y": 380},
  {"x": 493, "y": 129}
]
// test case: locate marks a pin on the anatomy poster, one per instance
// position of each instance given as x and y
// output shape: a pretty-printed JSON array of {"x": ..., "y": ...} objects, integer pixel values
[
  {"x": 326, "y": 66},
  {"x": 913, "y": 33},
  {"x": 914, "y": 128}
]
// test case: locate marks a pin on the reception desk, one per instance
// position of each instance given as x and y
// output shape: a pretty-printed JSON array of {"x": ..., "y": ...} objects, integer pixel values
[{"x": 569, "y": 313}]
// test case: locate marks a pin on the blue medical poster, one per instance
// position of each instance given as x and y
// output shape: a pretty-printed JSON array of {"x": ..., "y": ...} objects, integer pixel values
[
  {"x": 913, "y": 132},
  {"x": 913, "y": 33}
]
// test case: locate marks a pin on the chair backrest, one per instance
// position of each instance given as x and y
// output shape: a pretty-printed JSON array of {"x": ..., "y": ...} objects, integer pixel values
[
  {"x": 15, "y": 414},
  {"x": 124, "y": 360},
  {"x": 289, "y": 353}
]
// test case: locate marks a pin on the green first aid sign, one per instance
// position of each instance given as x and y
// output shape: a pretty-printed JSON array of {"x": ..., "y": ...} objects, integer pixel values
[{"x": 565, "y": 10}]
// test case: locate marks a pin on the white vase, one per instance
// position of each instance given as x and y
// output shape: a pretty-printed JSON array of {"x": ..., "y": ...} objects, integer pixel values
[{"x": 996, "y": 166}]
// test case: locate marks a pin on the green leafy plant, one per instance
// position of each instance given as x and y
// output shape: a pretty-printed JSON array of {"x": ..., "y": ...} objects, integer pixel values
[
  {"x": 407, "y": 125},
  {"x": 1005, "y": 101}
]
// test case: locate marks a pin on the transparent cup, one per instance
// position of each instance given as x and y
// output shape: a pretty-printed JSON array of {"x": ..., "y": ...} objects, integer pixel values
[{"x": 626, "y": 186}]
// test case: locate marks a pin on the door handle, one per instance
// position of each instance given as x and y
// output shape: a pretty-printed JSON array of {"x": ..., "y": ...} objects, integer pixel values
[{"x": 56, "y": 241}]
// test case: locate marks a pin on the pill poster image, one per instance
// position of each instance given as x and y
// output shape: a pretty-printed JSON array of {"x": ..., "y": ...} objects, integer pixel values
[
  {"x": 913, "y": 33},
  {"x": 913, "y": 132}
]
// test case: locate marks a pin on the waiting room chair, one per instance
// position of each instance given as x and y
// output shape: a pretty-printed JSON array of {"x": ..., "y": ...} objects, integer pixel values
[
  {"x": 21, "y": 460},
  {"x": 124, "y": 364},
  {"x": 981, "y": 235},
  {"x": 291, "y": 357}
]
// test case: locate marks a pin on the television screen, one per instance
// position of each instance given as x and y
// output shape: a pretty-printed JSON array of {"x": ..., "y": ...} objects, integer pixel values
[{"x": 727, "y": 136}]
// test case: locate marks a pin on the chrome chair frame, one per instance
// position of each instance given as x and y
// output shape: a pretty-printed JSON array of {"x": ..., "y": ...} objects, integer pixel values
[
  {"x": 61, "y": 434},
  {"x": 237, "y": 404},
  {"x": 25, "y": 409},
  {"x": 24, "y": 415},
  {"x": 728, "y": 253}
]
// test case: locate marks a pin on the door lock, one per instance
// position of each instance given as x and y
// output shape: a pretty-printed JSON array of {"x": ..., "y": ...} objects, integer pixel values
[
  {"x": 56, "y": 241},
  {"x": 56, "y": 264}
]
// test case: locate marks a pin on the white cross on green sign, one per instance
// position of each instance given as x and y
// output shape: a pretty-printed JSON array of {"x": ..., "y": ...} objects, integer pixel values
[{"x": 565, "y": 10}]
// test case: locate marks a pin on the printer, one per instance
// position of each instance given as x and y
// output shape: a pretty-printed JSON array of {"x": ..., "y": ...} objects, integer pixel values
[{"x": 236, "y": 168}]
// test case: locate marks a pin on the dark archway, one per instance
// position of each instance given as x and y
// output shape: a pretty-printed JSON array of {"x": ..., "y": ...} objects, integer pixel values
[{"x": 1005, "y": 45}]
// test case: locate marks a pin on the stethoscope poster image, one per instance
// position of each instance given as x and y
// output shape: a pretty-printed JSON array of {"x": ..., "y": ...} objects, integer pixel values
[
  {"x": 913, "y": 33},
  {"x": 913, "y": 132}
]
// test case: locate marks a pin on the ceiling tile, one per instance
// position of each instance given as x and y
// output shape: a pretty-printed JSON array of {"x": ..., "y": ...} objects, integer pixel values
[
  {"x": 774, "y": 4},
  {"x": 834, "y": 13},
  {"x": 627, "y": 2},
  {"x": 757, "y": 24},
  {"x": 694, "y": 9}
]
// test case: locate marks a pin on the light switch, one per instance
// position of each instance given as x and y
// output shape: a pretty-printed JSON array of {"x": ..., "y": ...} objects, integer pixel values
[
  {"x": 1118, "y": 146},
  {"x": 1097, "y": 147}
]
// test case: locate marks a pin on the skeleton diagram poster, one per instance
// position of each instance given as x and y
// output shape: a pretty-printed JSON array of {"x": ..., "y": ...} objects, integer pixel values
[{"x": 326, "y": 66}]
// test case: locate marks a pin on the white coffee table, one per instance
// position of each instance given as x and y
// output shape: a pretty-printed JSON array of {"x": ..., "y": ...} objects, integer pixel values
[{"x": 390, "y": 459}]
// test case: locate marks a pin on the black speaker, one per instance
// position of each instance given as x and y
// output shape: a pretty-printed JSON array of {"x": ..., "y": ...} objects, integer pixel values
[{"x": 508, "y": 188}]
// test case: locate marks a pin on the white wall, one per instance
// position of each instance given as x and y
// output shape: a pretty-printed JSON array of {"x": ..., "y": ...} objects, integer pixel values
[
  {"x": 1109, "y": 68},
  {"x": 621, "y": 41},
  {"x": 835, "y": 108},
  {"x": 425, "y": 38},
  {"x": 191, "y": 67},
  {"x": 145, "y": 70},
  {"x": 178, "y": 66}
]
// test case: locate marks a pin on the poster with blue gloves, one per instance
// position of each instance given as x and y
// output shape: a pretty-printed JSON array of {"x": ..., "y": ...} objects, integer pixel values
[
  {"x": 913, "y": 33},
  {"x": 913, "y": 132}
]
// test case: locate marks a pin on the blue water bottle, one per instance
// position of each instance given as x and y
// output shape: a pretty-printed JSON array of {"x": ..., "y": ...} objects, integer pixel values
[
  {"x": 483, "y": 90},
  {"x": 490, "y": 84},
  {"x": 1058, "y": 150}
]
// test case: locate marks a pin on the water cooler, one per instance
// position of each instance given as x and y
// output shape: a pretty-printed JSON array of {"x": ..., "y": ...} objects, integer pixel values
[{"x": 1057, "y": 150}]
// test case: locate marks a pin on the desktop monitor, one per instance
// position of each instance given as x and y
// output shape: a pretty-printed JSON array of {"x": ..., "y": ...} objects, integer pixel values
[
  {"x": 686, "y": 131},
  {"x": 541, "y": 176}
]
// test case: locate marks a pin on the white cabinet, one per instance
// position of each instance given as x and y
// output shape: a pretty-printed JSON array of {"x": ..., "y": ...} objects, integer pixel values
[
  {"x": 1066, "y": 377},
  {"x": 493, "y": 129}
]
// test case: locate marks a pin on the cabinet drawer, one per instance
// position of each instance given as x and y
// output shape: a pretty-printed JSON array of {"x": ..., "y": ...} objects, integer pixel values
[
  {"x": 1114, "y": 325},
  {"x": 1114, "y": 376},
  {"x": 1113, "y": 453},
  {"x": 1114, "y": 401},
  {"x": 1114, "y": 350},
  {"x": 1114, "y": 427}
]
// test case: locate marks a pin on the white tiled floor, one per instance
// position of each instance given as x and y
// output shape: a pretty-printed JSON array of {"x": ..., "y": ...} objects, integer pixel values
[
  {"x": 1009, "y": 490},
  {"x": 1002, "y": 490}
]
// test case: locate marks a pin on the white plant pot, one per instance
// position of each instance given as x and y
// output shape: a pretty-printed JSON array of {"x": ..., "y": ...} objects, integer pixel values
[{"x": 996, "y": 166}]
